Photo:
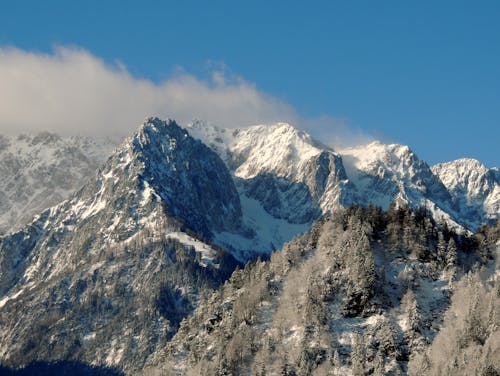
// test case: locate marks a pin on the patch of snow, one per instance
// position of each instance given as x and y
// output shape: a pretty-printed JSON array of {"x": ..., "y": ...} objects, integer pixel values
[
  {"x": 147, "y": 194},
  {"x": 89, "y": 336},
  {"x": 94, "y": 208},
  {"x": 7, "y": 298},
  {"x": 270, "y": 232},
  {"x": 115, "y": 355},
  {"x": 207, "y": 253}
]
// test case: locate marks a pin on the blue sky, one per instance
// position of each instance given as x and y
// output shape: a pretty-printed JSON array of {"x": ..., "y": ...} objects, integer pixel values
[{"x": 424, "y": 73}]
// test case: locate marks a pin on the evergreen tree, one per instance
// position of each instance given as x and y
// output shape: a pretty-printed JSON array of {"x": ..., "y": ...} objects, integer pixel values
[
  {"x": 412, "y": 311},
  {"x": 358, "y": 355},
  {"x": 442, "y": 246},
  {"x": 451, "y": 255}
]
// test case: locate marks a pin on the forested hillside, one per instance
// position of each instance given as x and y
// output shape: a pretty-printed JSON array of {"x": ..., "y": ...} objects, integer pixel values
[{"x": 364, "y": 292}]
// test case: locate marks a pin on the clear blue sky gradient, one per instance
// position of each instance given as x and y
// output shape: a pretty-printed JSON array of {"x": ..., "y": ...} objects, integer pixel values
[{"x": 422, "y": 73}]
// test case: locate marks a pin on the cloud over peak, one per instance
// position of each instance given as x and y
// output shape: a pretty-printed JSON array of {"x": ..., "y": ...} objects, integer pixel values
[{"x": 71, "y": 91}]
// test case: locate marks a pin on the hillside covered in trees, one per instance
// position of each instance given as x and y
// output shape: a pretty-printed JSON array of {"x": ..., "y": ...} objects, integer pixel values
[{"x": 364, "y": 292}]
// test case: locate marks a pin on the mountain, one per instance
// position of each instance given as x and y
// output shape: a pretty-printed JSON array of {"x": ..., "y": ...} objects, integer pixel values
[
  {"x": 298, "y": 179},
  {"x": 474, "y": 188},
  {"x": 294, "y": 177},
  {"x": 110, "y": 272},
  {"x": 385, "y": 174},
  {"x": 283, "y": 176},
  {"x": 39, "y": 171},
  {"x": 138, "y": 269}
]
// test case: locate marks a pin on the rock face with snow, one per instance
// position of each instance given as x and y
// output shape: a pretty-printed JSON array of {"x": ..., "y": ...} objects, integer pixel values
[
  {"x": 39, "y": 171},
  {"x": 384, "y": 174},
  {"x": 475, "y": 189},
  {"x": 293, "y": 176},
  {"x": 297, "y": 178},
  {"x": 111, "y": 257}
]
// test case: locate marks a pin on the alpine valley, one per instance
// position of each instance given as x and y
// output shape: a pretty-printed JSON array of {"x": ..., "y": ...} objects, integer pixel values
[{"x": 254, "y": 251}]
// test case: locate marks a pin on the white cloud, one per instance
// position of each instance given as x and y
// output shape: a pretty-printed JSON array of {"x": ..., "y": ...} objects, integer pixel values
[{"x": 72, "y": 91}]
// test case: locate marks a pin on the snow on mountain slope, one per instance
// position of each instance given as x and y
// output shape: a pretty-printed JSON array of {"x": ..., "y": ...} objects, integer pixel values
[
  {"x": 279, "y": 149},
  {"x": 207, "y": 253},
  {"x": 392, "y": 173},
  {"x": 267, "y": 233},
  {"x": 387, "y": 173},
  {"x": 296, "y": 178},
  {"x": 39, "y": 171},
  {"x": 127, "y": 251},
  {"x": 218, "y": 139},
  {"x": 475, "y": 189}
]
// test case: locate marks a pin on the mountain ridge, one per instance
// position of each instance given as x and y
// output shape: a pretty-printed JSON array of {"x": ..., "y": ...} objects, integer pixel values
[{"x": 372, "y": 174}]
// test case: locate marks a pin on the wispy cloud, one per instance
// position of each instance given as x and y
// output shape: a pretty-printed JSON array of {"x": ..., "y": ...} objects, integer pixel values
[
  {"x": 71, "y": 91},
  {"x": 336, "y": 131}
]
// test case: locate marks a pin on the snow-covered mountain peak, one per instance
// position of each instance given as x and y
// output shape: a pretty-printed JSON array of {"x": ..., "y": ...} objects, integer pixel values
[
  {"x": 460, "y": 171},
  {"x": 374, "y": 155},
  {"x": 154, "y": 125},
  {"x": 279, "y": 148},
  {"x": 387, "y": 173},
  {"x": 475, "y": 188},
  {"x": 182, "y": 172}
]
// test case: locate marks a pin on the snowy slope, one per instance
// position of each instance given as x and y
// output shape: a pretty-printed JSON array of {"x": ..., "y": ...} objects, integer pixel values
[
  {"x": 280, "y": 148},
  {"x": 475, "y": 189},
  {"x": 38, "y": 171},
  {"x": 387, "y": 173},
  {"x": 265, "y": 233}
]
